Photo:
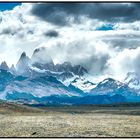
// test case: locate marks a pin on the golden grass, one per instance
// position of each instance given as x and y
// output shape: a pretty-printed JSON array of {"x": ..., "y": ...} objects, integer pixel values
[{"x": 81, "y": 121}]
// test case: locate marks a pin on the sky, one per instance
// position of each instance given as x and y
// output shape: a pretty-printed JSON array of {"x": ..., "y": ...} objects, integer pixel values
[
  {"x": 8, "y": 6},
  {"x": 102, "y": 37}
]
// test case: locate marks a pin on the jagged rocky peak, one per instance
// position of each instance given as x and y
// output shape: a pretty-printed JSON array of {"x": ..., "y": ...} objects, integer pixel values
[
  {"x": 23, "y": 55},
  {"x": 42, "y": 56},
  {"x": 23, "y": 60},
  {"x": 4, "y": 66},
  {"x": 42, "y": 60},
  {"x": 64, "y": 67},
  {"x": 39, "y": 49},
  {"x": 79, "y": 70},
  {"x": 75, "y": 69},
  {"x": 23, "y": 63},
  {"x": 12, "y": 69}
]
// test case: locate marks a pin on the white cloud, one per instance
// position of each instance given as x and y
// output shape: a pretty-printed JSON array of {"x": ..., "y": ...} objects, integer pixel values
[
  {"x": 103, "y": 53},
  {"x": 124, "y": 62},
  {"x": 128, "y": 26}
]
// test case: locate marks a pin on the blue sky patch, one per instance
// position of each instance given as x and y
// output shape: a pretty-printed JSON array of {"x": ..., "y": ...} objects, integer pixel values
[
  {"x": 105, "y": 27},
  {"x": 8, "y": 5}
]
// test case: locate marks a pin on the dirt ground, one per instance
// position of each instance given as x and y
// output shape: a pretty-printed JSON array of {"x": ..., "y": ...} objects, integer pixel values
[{"x": 70, "y": 122}]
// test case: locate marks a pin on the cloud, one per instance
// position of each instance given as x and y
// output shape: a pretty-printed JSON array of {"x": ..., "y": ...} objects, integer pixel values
[
  {"x": 124, "y": 62},
  {"x": 62, "y": 13},
  {"x": 51, "y": 33},
  {"x": 20, "y": 32},
  {"x": 121, "y": 39},
  {"x": 57, "y": 13},
  {"x": 101, "y": 52},
  {"x": 93, "y": 55},
  {"x": 8, "y": 31}
]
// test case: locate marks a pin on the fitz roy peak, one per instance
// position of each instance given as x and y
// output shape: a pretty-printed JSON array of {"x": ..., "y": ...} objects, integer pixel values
[
  {"x": 23, "y": 64},
  {"x": 41, "y": 62},
  {"x": 4, "y": 66}
]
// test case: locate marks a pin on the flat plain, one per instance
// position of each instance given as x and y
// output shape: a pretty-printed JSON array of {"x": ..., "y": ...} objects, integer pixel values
[{"x": 69, "y": 121}]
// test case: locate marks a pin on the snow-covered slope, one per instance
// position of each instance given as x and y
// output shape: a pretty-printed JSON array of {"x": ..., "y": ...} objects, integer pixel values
[
  {"x": 45, "y": 89},
  {"x": 107, "y": 86},
  {"x": 83, "y": 84},
  {"x": 37, "y": 86},
  {"x": 111, "y": 87}
]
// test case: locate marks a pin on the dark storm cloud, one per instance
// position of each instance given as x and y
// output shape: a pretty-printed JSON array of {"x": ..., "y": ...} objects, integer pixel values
[
  {"x": 95, "y": 64},
  {"x": 8, "y": 31},
  {"x": 30, "y": 32},
  {"x": 121, "y": 44},
  {"x": 115, "y": 12},
  {"x": 81, "y": 52},
  {"x": 60, "y": 13},
  {"x": 122, "y": 41},
  {"x": 52, "y": 33},
  {"x": 57, "y": 13}
]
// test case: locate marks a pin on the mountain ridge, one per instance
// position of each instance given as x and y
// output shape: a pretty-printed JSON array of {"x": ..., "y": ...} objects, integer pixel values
[{"x": 39, "y": 79}]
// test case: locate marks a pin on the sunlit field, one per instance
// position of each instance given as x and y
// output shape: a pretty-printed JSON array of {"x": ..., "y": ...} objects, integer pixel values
[{"x": 69, "y": 121}]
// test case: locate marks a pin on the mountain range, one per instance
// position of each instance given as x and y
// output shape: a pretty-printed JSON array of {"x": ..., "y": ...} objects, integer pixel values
[{"x": 37, "y": 80}]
